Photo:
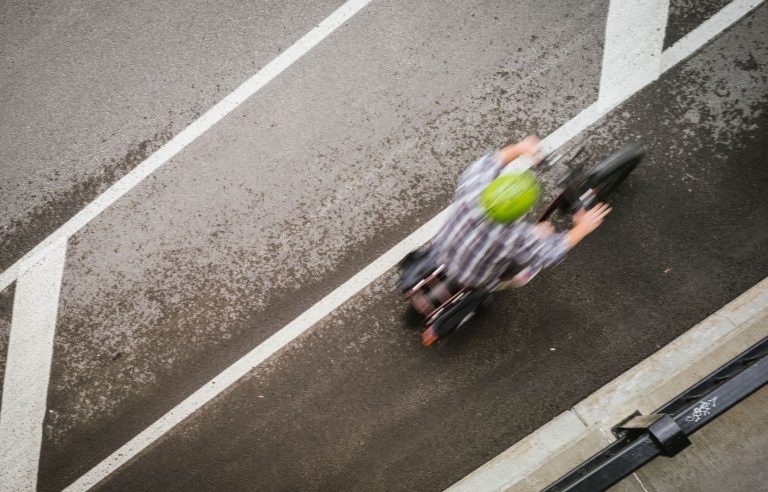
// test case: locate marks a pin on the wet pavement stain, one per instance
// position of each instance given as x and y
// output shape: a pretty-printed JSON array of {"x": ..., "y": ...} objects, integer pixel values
[
  {"x": 686, "y": 15},
  {"x": 20, "y": 236}
]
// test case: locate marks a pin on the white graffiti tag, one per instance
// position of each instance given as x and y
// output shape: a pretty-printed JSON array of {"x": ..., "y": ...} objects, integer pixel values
[{"x": 702, "y": 410}]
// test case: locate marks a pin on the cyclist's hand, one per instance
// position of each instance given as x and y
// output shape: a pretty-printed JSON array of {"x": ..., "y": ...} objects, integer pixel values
[
  {"x": 529, "y": 145},
  {"x": 589, "y": 220}
]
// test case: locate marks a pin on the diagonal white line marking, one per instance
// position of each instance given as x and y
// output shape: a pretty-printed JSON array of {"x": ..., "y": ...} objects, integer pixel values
[
  {"x": 706, "y": 31},
  {"x": 186, "y": 136},
  {"x": 295, "y": 328},
  {"x": 634, "y": 38},
  {"x": 27, "y": 371}
]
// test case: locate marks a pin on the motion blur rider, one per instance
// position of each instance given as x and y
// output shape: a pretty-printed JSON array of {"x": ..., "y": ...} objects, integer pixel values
[{"x": 485, "y": 243}]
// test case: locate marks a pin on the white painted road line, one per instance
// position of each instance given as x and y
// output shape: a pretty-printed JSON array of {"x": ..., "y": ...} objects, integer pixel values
[
  {"x": 634, "y": 39},
  {"x": 186, "y": 136},
  {"x": 321, "y": 309},
  {"x": 27, "y": 371},
  {"x": 706, "y": 31}
]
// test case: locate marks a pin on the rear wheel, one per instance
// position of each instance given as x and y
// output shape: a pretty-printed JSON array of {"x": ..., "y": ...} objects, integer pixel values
[{"x": 604, "y": 178}]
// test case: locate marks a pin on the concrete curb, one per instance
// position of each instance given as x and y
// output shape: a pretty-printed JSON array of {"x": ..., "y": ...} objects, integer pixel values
[{"x": 570, "y": 438}]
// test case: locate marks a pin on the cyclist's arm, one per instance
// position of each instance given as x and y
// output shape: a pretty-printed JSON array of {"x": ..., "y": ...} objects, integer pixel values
[
  {"x": 484, "y": 170},
  {"x": 540, "y": 248},
  {"x": 533, "y": 250},
  {"x": 529, "y": 145}
]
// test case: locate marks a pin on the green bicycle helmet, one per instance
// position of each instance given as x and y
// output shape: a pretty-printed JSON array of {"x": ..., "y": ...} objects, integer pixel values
[{"x": 510, "y": 196}]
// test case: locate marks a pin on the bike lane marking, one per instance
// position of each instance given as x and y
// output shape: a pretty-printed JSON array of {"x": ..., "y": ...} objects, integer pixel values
[
  {"x": 28, "y": 368},
  {"x": 186, "y": 136},
  {"x": 336, "y": 298},
  {"x": 634, "y": 38}
]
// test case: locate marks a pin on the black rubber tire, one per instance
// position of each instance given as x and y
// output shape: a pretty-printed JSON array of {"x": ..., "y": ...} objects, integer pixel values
[{"x": 606, "y": 176}]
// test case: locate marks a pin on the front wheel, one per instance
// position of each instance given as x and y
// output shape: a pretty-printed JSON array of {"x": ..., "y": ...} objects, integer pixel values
[{"x": 604, "y": 178}]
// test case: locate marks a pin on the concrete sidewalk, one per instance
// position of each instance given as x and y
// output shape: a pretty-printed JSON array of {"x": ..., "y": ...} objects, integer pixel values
[
  {"x": 730, "y": 454},
  {"x": 726, "y": 455}
]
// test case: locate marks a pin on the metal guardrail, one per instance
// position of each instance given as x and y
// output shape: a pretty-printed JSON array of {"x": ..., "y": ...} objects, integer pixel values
[{"x": 641, "y": 438}]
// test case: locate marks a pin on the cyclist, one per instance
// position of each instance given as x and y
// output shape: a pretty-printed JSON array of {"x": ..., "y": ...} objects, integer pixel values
[{"x": 485, "y": 244}]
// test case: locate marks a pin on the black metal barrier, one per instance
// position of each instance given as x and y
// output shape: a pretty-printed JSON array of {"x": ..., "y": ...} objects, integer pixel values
[{"x": 641, "y": 438}]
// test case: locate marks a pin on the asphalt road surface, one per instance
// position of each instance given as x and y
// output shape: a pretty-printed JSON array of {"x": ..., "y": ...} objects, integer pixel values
[{"x": 307, "y": 182}]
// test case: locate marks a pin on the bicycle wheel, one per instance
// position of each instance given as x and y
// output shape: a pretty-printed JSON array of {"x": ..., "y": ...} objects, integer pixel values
[{"x": 605, "y": 177}]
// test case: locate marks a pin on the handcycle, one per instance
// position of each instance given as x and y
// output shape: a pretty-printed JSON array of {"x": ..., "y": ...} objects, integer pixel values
[{"x": 445, "y": 305}]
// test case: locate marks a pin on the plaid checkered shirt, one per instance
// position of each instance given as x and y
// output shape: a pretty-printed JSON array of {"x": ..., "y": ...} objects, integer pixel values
[{"x": 477, "y": 251}]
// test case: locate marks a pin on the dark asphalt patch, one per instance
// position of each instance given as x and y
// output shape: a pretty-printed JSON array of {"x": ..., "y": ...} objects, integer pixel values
[
  {"x": 6, "y": 311},
  {"x": 687, "y": 15},
  {"x": 357, "y": 404},
  {"x": 23, "y": 235}
]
